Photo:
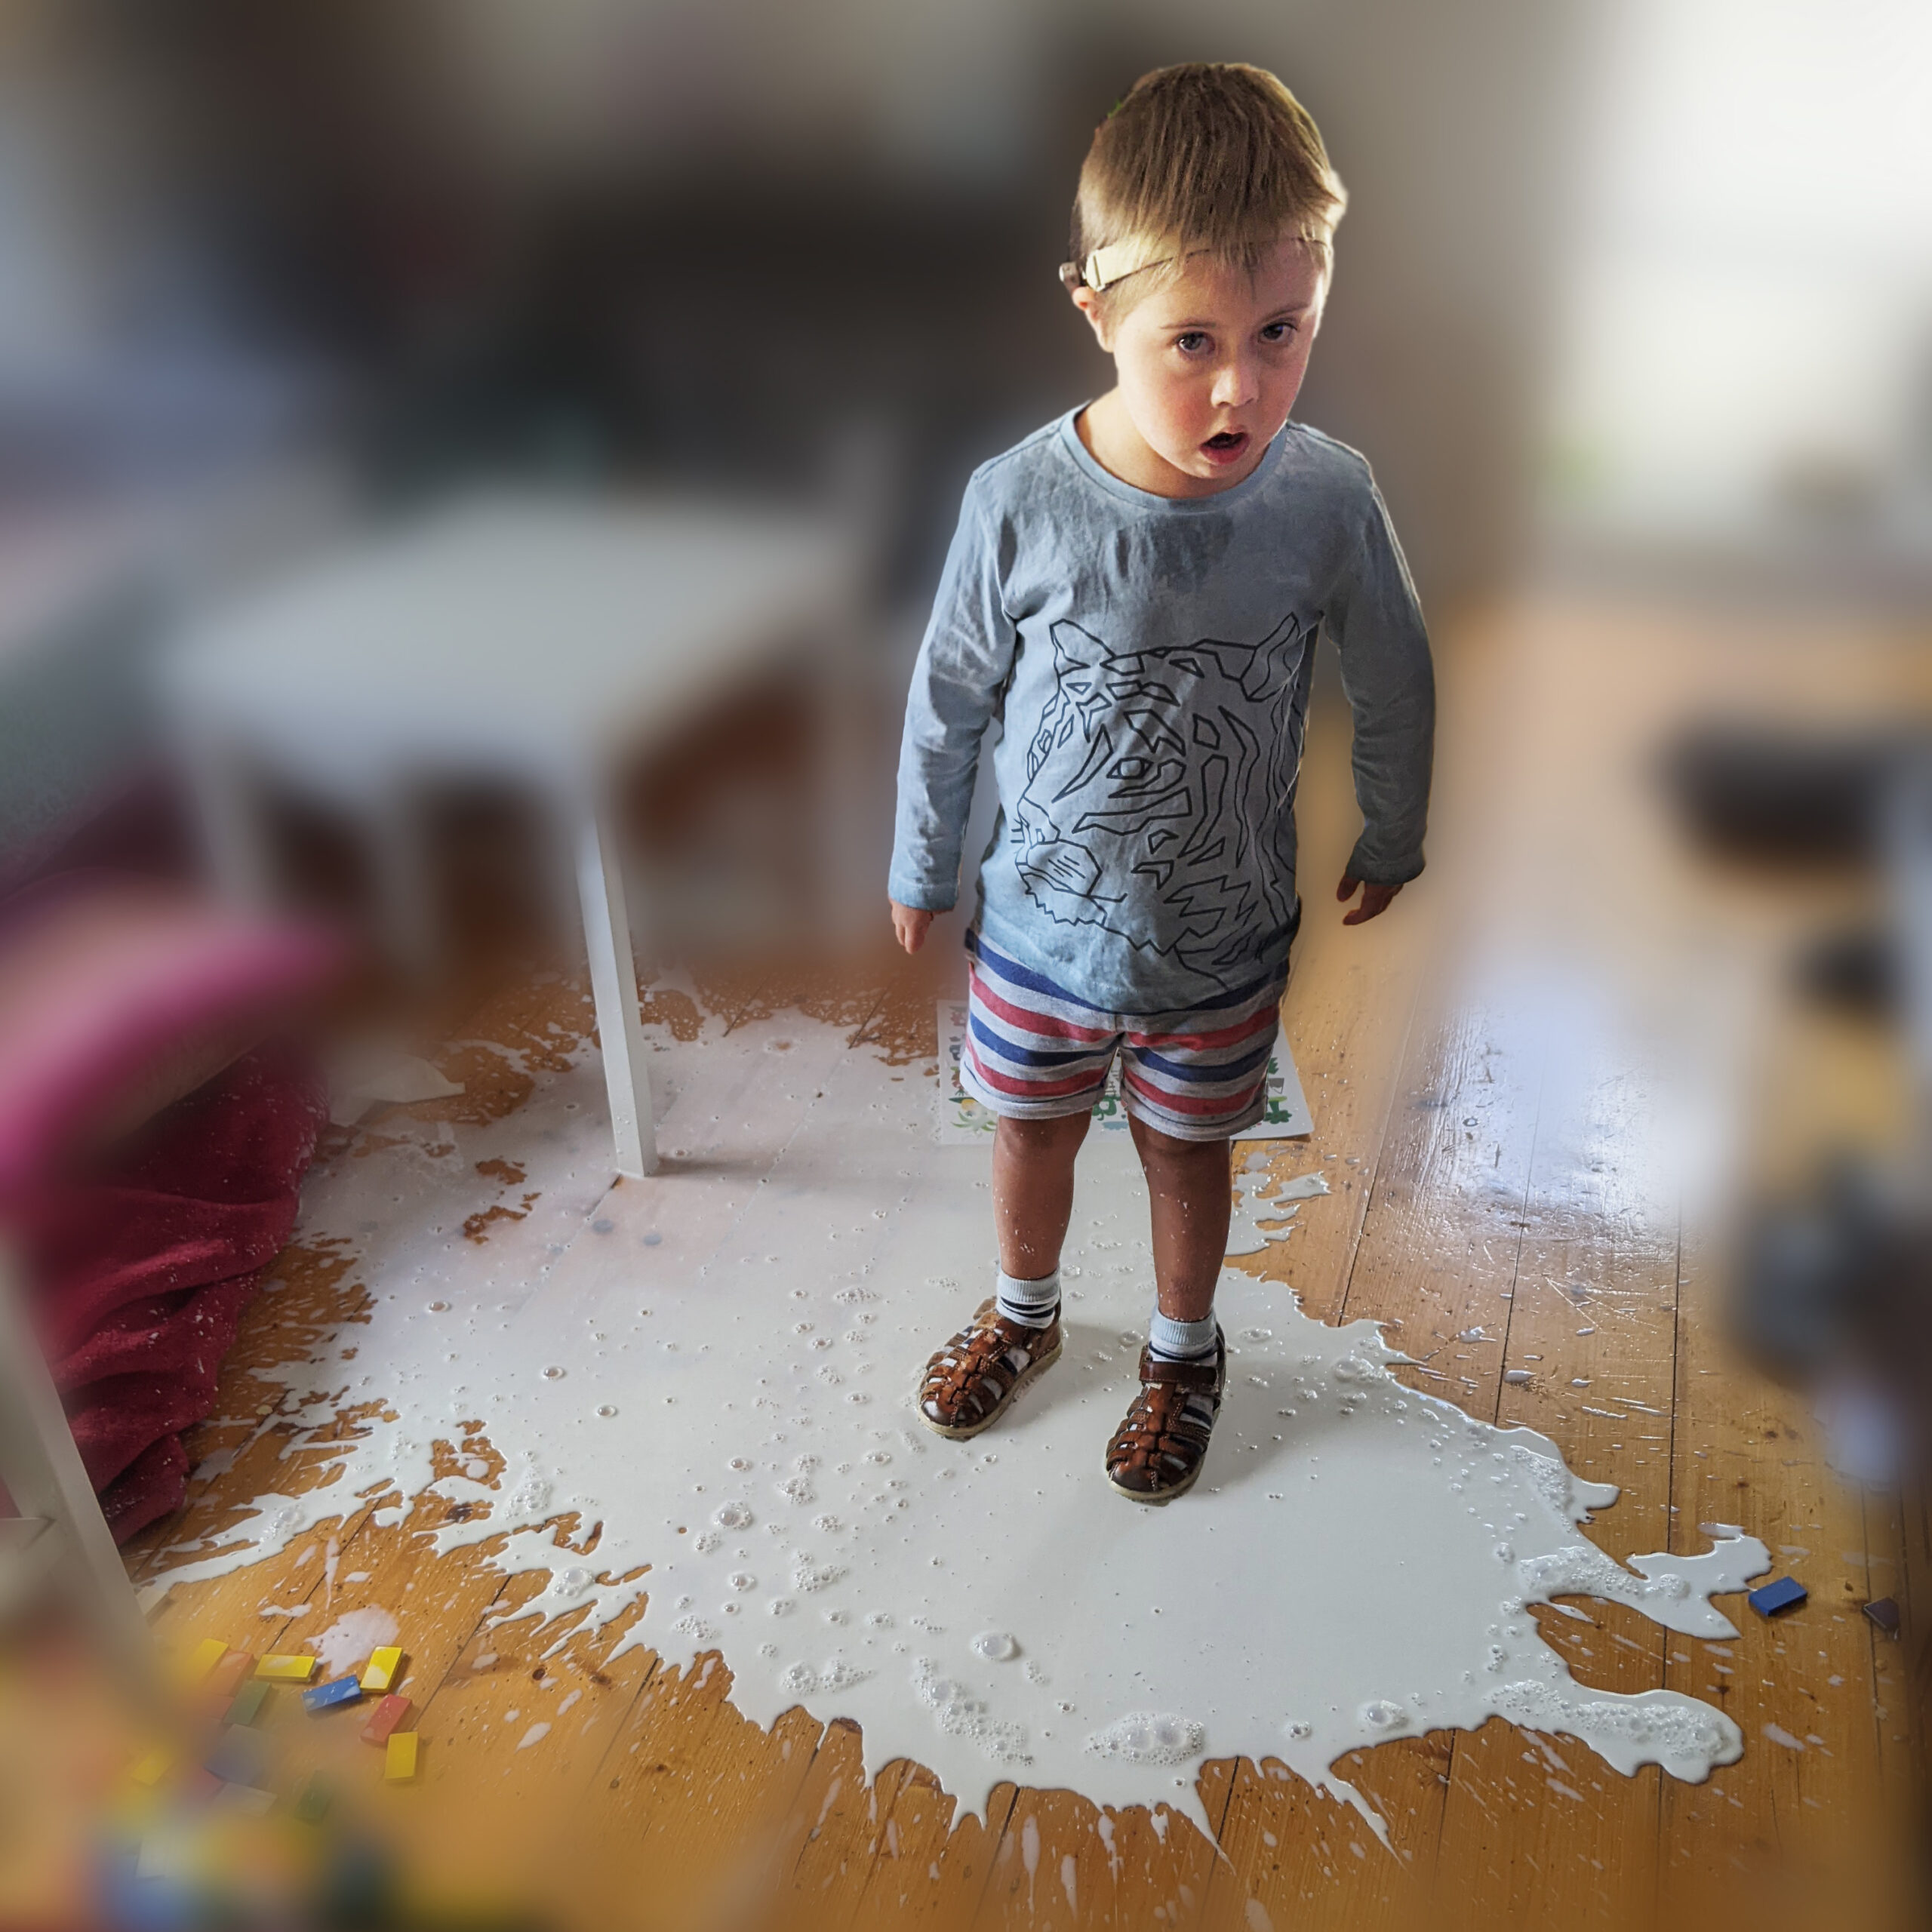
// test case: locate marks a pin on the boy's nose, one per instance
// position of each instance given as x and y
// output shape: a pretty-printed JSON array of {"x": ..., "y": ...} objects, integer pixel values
[{"x": 1235, "y": 384}]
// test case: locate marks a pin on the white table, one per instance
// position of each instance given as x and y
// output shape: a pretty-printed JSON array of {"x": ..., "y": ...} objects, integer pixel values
[{"x": 544, "y": 640}]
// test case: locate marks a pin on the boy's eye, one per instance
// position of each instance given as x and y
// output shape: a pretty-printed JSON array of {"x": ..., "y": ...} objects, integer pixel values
[
  {"x": 1277, "y": 331},
  {"x": 1191, "y": 342}
]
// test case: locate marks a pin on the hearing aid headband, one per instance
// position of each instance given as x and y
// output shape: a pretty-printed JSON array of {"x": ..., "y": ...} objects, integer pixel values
[{"x": 1105, "y": 267}]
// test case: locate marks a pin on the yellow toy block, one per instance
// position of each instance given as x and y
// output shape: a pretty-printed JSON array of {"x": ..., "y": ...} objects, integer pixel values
[
  {"x": 153, "y": 1767},
  {"x": 383, "y": 1665},
  {"x": 399, "y": 1757},
  {"x": 205, "y": 1656},
  {"x": 286, "y": 1669}
]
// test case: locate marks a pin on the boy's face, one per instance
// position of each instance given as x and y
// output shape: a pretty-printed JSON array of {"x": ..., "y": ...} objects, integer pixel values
[{"x": 1210, "y": 364}]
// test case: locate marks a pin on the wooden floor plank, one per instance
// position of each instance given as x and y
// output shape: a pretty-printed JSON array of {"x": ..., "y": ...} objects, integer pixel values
[
  {"x": 1788, "y": 1819},
  {"x": 1599, "y": 1254}
]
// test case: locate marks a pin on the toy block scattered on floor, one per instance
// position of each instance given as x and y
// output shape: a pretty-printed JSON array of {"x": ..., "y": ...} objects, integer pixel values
[
  {"x": 1775, "y": 1597},
  {"x": 250, "y": 1800},
  {"x": 383, "y": 1669},
  {"x": 240, "y": 1758},
  {"x": 203, "y": 1658},
  {"x": 384, "y": 1719},
  {"x": 225, "y": 1678},
  {"x": 326, "y": 1696},
  {"x": 312, "y": 1807},
  {"x": 248, "y": 1704},
  {"x": 152, "y": 1766},
  {"x": 1884, "y": 1611},
  {"x": 286, "y": 1669},
  {"x": 399, "y": 1757}
]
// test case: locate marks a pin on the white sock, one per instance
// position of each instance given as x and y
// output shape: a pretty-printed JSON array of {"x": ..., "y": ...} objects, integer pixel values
[
  {"x": 1181, "y": 1341},
  {"x": 1032, "y": 1304}
]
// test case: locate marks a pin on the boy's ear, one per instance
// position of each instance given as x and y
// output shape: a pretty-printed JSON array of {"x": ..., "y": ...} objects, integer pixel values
[{"x": 1088, "y": 304}]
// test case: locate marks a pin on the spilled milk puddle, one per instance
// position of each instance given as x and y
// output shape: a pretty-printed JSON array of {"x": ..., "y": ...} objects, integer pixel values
[{"x": 716, "y": 1364}]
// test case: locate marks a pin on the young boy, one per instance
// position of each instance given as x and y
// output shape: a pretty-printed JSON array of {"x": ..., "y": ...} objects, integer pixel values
[{"x": 1136, "y": 590}]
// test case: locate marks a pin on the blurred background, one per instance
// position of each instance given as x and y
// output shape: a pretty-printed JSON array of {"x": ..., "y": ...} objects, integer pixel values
[
  {"x": 1642, "y": 292},
  {"x": 427, "y": 428}
]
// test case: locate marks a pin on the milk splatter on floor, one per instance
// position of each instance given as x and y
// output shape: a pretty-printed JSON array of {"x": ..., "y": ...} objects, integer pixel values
[{"x": 715, "y": 1365}]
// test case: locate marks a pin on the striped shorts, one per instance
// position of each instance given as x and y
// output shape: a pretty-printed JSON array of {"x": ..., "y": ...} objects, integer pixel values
[{"x": 1034, "y": 1051}]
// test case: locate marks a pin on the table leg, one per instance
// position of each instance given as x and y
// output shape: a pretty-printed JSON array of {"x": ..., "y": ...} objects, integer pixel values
[
  {"x": 405, "y": 879},
  {"x": 614, "y": 985},
  {"x": 228, "y": 820}
]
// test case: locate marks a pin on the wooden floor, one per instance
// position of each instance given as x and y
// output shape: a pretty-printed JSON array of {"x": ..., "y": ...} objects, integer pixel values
[{"x": 1498, "y": 1171}]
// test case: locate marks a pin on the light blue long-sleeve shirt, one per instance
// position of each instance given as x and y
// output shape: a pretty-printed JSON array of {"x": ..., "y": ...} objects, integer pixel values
[{"x": 1151, "y": 657}]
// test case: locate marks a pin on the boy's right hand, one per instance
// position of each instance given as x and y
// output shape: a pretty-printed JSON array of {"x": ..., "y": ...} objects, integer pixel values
[{"x": 910, "y": 925}]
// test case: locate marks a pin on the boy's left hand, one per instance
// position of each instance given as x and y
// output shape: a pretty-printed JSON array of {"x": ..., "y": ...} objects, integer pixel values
[{"x": 1376, "y": 899}]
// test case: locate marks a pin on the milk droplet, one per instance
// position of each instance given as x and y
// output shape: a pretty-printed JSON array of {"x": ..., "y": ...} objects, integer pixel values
[
  {"x": 996, "y": 1646},
  {"x": 605, "y": 1409},
  {"x": 553, "y": 1374}
]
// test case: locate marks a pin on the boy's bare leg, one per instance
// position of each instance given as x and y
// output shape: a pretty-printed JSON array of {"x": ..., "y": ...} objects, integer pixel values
[
  {"x": 1158, "y": 1451},
  {"x": 1191, "y": 1196},
  {"x": 1033, "y": 1191},
  {"x": 968, "y": 1384}
]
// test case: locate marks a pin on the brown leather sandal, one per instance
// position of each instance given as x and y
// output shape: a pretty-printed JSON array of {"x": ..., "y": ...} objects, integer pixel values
[
  {"x": 1157, "y": 1452},
  {"x": 969, "y": 1383}
]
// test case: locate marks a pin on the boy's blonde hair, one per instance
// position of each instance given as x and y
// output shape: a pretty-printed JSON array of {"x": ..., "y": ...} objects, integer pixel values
[{"x": 1212, "y": 157}]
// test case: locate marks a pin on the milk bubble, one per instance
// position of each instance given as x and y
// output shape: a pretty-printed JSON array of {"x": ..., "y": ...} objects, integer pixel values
[
  {"x": 1149, "y": 1737},
  {"x": 1380, "y": 1714},
  {"x": 996, "y": 1646},
  {"x": 732, "y": 1516}
]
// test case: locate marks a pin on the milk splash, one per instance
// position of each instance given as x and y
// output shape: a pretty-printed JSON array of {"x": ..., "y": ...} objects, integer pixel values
[{"x": 739, "y": 1337}]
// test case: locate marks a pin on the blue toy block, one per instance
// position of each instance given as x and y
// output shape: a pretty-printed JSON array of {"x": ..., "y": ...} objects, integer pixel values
[
  {"x": 1775, "y": 1597},
  {"x": 241, "y": 1757},
  {"x": 325, "y": 1696}
]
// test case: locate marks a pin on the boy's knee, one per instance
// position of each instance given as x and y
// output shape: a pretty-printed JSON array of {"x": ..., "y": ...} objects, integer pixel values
[
  {"x": 1042, "y": 1137},
  {"x": 1170, "y": 1149}
]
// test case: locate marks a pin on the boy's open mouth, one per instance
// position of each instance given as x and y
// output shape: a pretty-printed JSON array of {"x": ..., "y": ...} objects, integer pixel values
[{"x": 1225, "y": 446}]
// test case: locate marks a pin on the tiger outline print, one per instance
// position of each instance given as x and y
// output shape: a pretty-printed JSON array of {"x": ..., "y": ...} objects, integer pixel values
[{"x": 1149, "y": 775}]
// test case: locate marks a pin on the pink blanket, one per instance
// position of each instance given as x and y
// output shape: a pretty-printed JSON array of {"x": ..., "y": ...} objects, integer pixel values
[{"x": 142, "y": 1263}]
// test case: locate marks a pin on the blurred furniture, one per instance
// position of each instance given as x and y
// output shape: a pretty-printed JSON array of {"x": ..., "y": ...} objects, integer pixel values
[
  {"x": 543, "y": 640},
  {"x": 155, "y": 1126},
  {"x": 54, "y": 1538}
]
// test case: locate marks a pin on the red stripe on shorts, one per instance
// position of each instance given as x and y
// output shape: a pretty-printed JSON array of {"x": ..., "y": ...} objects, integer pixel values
[
  {"x": 1032, "y": 1090},
  {"x": 1031, "y": 1022},
  {"x": 1227, "y": 1104}
]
